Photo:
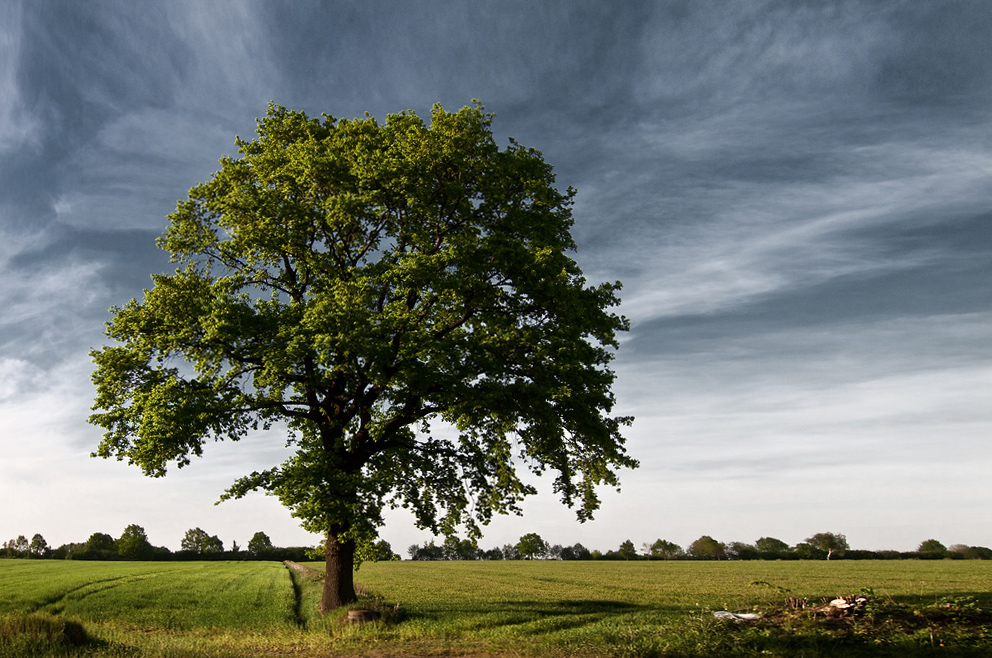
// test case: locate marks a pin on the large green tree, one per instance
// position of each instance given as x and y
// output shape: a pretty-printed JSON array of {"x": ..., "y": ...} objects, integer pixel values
[{"x": 399, "y": 296}]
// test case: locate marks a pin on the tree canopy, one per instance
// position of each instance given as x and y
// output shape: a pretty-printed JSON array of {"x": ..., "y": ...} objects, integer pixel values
[
  {"x": 532, "y": 546},
  {"x": 259, "y": 543},
  {"x": 197, "y": 540},
  {"x": 829, "y": 542},
  {"x": 662, "y": 549},
  {"x": 706, "y": 548},
  {"x": 133, "y": 543},
  {"x": 398, "y": 296}
]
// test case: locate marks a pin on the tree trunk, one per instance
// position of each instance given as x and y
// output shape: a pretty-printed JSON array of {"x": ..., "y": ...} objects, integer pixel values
[{"x": 339, "y": 570}]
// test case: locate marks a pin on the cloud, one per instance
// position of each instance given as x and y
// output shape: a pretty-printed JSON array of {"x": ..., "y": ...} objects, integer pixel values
[
  {"x": 18, "y": 127},
  {"x": 47, "y": 306},
  {"x": 130, "y": 174},
  {"x": 722, "y": 243}
]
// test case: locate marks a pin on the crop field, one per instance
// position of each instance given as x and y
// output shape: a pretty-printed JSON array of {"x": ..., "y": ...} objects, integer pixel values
[{"x": 617, "y": 609}]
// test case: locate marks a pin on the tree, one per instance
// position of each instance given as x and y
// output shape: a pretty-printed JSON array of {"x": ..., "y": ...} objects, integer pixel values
[
  {"x": 663, "y": 549},
  {"x": 460, "y": 549},
  {"x": 430, "y": 551},
  {"x": 829, "y": 542},
  {"x": 510, "y": 552},
  {"x": 962, "y": 551},
  {"x": 133, "y": 543},
  {"x": 576, "y": 552},
  {"x": 738, "y": 550},
  {"x": 706, "y": 548},
  {"x": 627, "y": 550},
  {"x": 198, "y": 541},
  {"x": 99, "y": 546},
  {"x": 932, "y": 547},
  {"x": 491, "y": 554},
  {"x": 383, "y": 552},
  {"x": 259, "y": 544},
  {"x": 771, "y": 546},
  {"x": 532, "y": 546},
  {"x": 38, "y": 546},
  {"x": 399, "y": 296}
]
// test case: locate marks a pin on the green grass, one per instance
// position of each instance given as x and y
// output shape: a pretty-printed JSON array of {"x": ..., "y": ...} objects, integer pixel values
[
  {"x": 615, "y": 609},
  {"x": 649, "y": 608}
]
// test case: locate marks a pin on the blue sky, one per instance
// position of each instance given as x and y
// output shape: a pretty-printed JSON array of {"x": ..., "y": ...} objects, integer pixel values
[{"x": 796, "y": 195}]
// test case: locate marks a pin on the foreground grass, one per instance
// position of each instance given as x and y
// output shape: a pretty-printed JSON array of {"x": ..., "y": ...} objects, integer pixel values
[
  {"x": 665, "y": 608},
  {"x": 615, "y": 609}
]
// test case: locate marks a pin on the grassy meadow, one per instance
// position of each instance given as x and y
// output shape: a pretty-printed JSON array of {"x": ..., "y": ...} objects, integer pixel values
[{"x": 617, "y": 609}]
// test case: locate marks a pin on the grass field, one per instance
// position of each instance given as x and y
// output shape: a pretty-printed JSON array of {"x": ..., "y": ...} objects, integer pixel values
[{"x": 617, "y": 609}]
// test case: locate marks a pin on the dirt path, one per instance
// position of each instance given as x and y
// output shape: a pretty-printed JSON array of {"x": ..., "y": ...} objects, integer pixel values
[{"x": 304, "y": 571}]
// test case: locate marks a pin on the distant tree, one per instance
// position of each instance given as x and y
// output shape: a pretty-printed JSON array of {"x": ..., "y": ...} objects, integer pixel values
[
  {"x": 932, "y": 548},
  {"x": 38, "y": 547},
  {"x": 511, "y": 552},
  {"x": 491, "y": 554},
  {"x": 531, "y": 546},
  {"x": 982, "y": 552},
  {"x": 806, "y": 551},
  {"x": 738, "y": 550},
  {"x": 259, "y": 544},
  {"x": 830, "y": 542},
  {"x": 663, "y": 549},
  {"x": 959, "y": 550},
  {"x": 576, "y": 552},
  {"x": 460, "y": 549},
  {"x": 627, "y": 551},
  {"x": 133, "y": 544},
  {"x": 383, "y": 552},
  {"x": 235, "y": 548},
  {"x": 429, "y": 551},
  {"x": 771, "y": 546},
  {"x": 706, "y": 548},
  {"x": 198, "y": 541},
  {"x": 99, "y": 546},
  {"x": 22, "y": 546}
]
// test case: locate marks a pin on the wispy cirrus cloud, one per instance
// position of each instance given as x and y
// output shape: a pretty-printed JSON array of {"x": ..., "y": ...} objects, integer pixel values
[{"x": 18, "y": 127}]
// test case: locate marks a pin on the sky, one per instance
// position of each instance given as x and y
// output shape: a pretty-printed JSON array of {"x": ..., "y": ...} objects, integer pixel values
[{"x": 797, "y": 197}]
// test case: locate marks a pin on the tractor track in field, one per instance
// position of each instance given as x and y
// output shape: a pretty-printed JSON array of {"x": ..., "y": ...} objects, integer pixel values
[
  {"x": 296, "y": 573},
  {"x": 52, "y": 603},
  {"x": 304, "y": 571}
]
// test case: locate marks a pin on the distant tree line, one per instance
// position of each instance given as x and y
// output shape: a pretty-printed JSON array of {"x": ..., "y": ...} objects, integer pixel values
[
  {"x": 821, "y": 546},
  {"x": 197, "y": 544},
  {"x": 133, "y": 544}
]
